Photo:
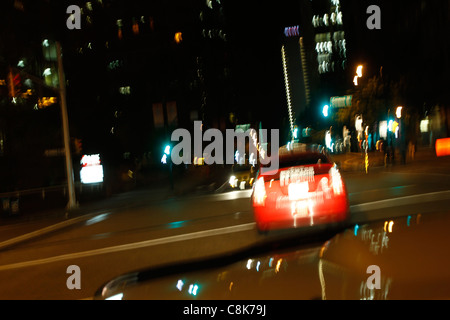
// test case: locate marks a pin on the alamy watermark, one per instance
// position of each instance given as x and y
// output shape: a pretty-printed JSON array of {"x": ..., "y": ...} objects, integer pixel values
[
  {"x": 74, "y": 20},
  {"x": 374, "y": 21},
  {"x": 374, "y": 280},
  {"x": 74, "y": 280},
  {"x": 213, "y": 153}
]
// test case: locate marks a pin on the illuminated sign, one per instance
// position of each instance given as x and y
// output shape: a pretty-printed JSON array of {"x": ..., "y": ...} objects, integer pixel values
[
  {"x": 292, "y": 31},
  {"x": 91, "y": 169}
]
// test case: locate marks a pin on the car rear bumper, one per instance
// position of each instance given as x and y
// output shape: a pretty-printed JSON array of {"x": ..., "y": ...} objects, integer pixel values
[{"x": 281, "y": 213}]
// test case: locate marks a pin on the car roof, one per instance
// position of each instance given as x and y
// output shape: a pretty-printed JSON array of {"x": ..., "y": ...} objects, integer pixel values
[{"x": 300, "y": 148}]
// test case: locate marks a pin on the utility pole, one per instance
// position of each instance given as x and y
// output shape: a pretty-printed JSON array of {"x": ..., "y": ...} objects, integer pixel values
[
  {"x": 65, "y": 124},
  {"x": 61, "y": 91}
]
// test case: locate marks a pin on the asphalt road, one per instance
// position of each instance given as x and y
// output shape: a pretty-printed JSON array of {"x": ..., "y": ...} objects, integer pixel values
[{"x": 151, "y": 231}]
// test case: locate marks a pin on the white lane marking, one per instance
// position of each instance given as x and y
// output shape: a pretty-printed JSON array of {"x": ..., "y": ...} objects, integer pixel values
[
  {"x": 131, "y": 246},
  {"x": 395, "y": 202}
]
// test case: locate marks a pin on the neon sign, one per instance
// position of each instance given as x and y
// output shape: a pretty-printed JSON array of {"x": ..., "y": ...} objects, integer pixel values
[{"x": 292, "y": 31}]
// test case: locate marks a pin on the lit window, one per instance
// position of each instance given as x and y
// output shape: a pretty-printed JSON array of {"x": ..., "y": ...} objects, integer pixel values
[
  {"x": 125, "y": 90},
  {"x": 178, "y": 37}
]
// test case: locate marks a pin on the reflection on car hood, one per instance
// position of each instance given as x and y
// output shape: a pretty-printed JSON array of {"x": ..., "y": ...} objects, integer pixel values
[{"x": 405, "y": 258}]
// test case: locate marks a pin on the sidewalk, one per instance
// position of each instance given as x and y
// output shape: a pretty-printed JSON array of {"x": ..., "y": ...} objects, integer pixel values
[{"x": 355, "y": 161}]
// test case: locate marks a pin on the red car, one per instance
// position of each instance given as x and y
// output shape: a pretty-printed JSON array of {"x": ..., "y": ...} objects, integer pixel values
[{"x": 307, "y": 190}]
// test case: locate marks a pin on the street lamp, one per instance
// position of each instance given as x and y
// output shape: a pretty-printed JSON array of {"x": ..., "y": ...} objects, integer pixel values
[
  {"x": 325, "y": 110},
  {"x": 359, "y": 71},
  {"x": 358, "y": 74},
  {"x": 398, "y": 112}
]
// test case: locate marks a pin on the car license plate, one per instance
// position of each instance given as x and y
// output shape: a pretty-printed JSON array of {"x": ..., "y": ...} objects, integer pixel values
[
  {"x": 299, "y": 208},
  {"x": 298, "y": 191}
]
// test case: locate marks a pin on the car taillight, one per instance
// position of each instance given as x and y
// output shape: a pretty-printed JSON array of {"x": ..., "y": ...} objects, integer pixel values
[
  {"x": 336, "y": 180},
  {"x": 259, "y": 194}
]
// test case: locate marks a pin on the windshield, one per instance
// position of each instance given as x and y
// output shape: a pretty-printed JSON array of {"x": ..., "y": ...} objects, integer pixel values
[
  {"x": 135, "y": 136},
  {"x": 306, "y": 159}
]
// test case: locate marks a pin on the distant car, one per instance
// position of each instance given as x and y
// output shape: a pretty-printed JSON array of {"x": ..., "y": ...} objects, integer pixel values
[
  {"x": 307, "y": 190},
  {"x": 242, "y": 176}
]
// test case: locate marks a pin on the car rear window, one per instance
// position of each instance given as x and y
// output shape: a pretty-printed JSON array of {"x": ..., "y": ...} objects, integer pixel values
[{"x": 302, "y": 159}]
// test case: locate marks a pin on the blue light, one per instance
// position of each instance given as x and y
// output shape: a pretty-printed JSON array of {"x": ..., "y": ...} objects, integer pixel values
[
  {"x": 325, "y": 110},
  {"x": 193, "y": 289},
  {"x": 390, "y": 123},
  {"x": 180, "y": 284},
  {"x": 176, "y": 224},
  {"x": 167, "y": 150},
  {"x": 356, "y": 229},
  {"x": 408, "y": 221}
]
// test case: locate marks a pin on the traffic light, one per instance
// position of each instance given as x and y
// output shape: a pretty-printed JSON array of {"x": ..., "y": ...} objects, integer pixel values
[
  {"x": 14, "y": 84},
  {"x": 325, "y": 111},
  {"x": 166, "y": 153}
]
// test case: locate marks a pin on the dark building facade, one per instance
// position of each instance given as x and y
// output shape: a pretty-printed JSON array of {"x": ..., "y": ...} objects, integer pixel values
[
  {"x": 139, "y": 70},
  {"x": 314, "y": 60}
]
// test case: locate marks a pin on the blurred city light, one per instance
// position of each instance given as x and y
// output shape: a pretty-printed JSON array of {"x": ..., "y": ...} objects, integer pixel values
[
  {"x": 179, "y": 285},
  {"x": 325, "y": 111},
  {"x": 193, "y": 289},
  {"x": 398, "y": 112},
  {"x": 424, "y": 125},
  {"x": 355, "y": 229},
  {"x": 359, "y": 71},
  {"x": 178, "y": 37},
  {"x": 390, "y": 124},
  {"x": 383, "y": 129},
  {"x": 164, "y": 159},
  {"x": 167, "y": 150},
  {"x": 443, "y": 147},
  {"x": 388, "y": 226}
]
